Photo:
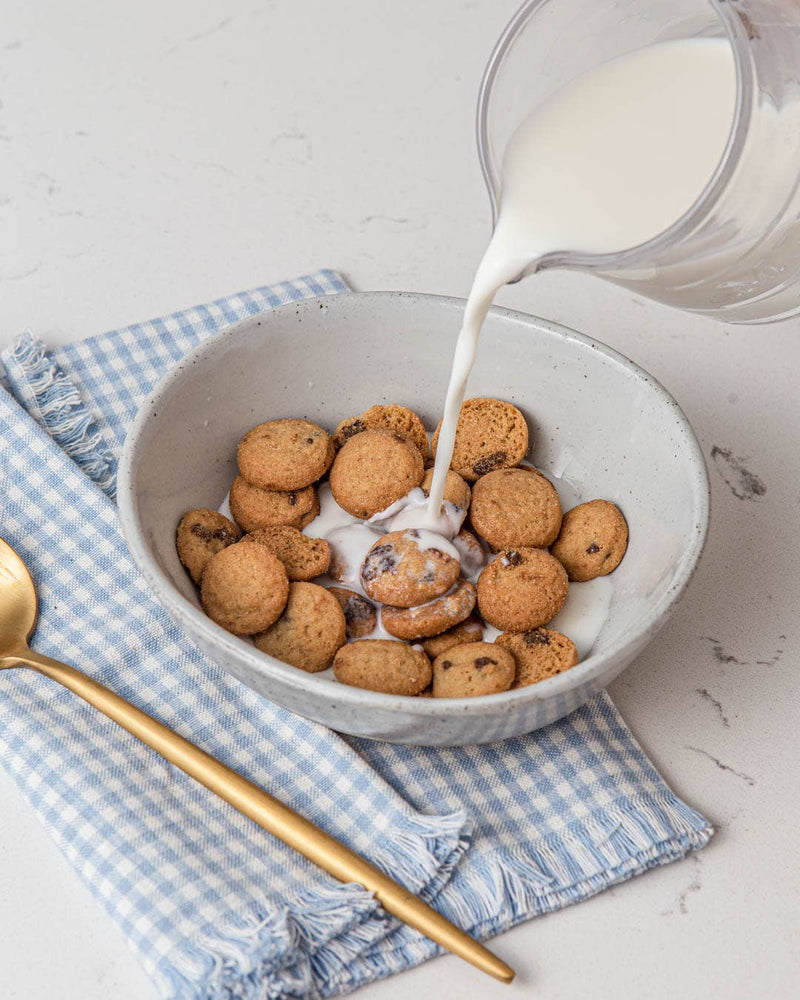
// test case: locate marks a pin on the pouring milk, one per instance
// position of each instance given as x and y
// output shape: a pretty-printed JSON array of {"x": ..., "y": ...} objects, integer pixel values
[{"x": 603, "y": 165}]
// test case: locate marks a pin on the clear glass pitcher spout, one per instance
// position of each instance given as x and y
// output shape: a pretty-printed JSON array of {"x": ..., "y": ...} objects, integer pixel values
[{"x": 735, "y": 255}]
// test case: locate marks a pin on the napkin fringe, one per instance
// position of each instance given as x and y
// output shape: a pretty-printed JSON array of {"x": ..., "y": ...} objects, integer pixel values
[
  {"x": 607, "y": 847},
  {"x": 53, "y": 399},
  {"x": 313, "y": 939},
  {"x": 425, "y": 842},
  {"x": 502, "y": 888},
  {"x": 321, "y": 943},
  {"x": 263, "y": 954}
]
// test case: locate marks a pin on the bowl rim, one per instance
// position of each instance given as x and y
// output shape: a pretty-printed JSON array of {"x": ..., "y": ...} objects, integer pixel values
[{"x": 584, "y": 673}]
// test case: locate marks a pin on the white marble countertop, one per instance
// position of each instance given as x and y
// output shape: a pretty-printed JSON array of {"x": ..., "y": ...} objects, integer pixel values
[{"x": 156, "y": 155}]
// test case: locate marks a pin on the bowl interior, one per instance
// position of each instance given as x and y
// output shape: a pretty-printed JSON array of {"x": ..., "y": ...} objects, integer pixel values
[{"x": 597, "y": 421}]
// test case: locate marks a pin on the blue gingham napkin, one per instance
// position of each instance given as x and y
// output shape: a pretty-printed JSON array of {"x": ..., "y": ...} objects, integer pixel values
[{"x": 213, "y": 906}]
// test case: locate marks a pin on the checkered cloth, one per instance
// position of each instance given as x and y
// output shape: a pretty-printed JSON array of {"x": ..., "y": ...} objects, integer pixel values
[{"x": 212, "y": 905}]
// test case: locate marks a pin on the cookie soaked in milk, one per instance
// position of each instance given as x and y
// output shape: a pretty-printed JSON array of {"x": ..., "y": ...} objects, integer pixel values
[{"x": 606, "y": 163}]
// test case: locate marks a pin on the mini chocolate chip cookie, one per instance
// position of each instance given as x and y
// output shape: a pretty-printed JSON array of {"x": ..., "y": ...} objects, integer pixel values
[
  {"x": 372, "y": 470},
  {"x": 244, "y": 588},
  {"x": 513, "y": 508},
  {"x": 346, "y": 429},
  {"x": 309, "y": 632},
  {"x": 409, "y": 567},
  {"x": 455, "y": 489},
  {"x": 253, "y": 508},
  {"x": 538, "y": 654},
  {"x": 286, "y": 454},
  {"x": 201, "y": 534},
  {"x": 470, "y": 630},
  {"x": 433, "y": 618},
  {"x": 303, "y": 558},
  {"x": 490, "y": 435},
  {"x": 592, "y": 541},
  {"x": 522, "y": 589},
  {"x": 383, "y": 665},
  {"x": 395, "y": 418},
  {"x": 359, "y": 613},
  {"x": 472, "y": 670}
]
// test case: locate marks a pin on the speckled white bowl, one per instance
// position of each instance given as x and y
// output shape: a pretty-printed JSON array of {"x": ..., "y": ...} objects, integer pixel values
[{"x": 598, "y": 420}]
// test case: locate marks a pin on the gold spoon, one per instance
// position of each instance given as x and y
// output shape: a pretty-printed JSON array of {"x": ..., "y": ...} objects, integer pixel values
[{"x": 18, "y": 608}]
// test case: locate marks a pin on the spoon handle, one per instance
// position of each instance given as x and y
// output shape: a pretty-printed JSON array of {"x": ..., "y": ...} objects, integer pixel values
[{"x": 271, "y": 814}]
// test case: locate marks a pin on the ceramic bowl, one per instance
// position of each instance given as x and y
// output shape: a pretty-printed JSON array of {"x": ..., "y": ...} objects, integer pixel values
[{"x": 598, "y": 420}]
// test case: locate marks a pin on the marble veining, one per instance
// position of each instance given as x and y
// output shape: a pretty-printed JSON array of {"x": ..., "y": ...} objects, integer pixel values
[
  {"x": 743, "y": 483},
  {"x": 723, "y": 767},
  {"x": 717, "y": 705}
]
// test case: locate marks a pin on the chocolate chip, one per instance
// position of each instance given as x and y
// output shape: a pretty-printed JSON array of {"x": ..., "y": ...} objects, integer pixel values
[
  {"x": 512, "y": 558},
  {"x": 536, "y": 638},
  {"x": 446, "y": 664},
  {"x": 483, "y": 661},
  {"x": 489, "y": 463},
  {"x": 381, "y": 559},
  {"x": 201, "y": 531},
  {"x": 292, "y": 498},
  {"x": 357, "y": 609},
  {"x": 412, "y": 533},
  {"x": 309, "y": 440},
  {"x": 594, "y": 547},
  {"x": 354, "y": 427}
]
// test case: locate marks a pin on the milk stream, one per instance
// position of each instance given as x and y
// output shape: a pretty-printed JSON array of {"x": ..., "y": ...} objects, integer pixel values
[{"x": 608, "y": 162}]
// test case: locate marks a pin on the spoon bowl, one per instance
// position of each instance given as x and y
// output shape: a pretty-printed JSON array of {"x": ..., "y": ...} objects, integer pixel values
[{"x": 18, "y": 604}]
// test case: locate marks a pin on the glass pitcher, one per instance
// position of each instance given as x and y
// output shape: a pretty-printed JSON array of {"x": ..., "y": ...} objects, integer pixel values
[{"x": 735, "y": 254}]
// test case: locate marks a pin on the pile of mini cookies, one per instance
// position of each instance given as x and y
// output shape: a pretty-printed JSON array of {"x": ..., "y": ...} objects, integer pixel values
[{"x": 408, "y": 614}]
